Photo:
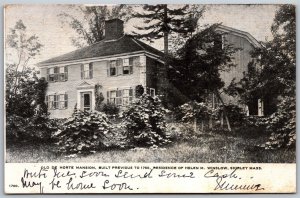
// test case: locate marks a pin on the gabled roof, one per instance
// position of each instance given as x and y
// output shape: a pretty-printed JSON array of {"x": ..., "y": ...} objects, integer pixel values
[
  {"x": 123, "y": 45},
  {"x": 243, "y": 34}
]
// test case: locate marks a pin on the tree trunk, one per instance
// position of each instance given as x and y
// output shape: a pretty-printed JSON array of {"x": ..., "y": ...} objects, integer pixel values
[
  {"x": 210, "y": 123},
  {"x": 222, "y": 119},
  {"x": 166, "y": 32},
  {"x": 195, "y": 125},
  {"x": 163, "y": 76},
  {"x": 226, "y": 117}
]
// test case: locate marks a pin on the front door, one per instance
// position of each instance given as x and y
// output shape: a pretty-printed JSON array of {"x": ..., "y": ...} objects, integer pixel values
[{"x": 86, "y": 101}]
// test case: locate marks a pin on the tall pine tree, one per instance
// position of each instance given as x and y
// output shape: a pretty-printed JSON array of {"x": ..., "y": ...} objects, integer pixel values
[{"x": 160, "y": 21}]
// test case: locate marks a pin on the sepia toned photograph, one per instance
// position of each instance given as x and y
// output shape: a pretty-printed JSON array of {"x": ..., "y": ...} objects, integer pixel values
[
  {"x": 119, "y": 98},
  {"x": 150, "y": 83}
]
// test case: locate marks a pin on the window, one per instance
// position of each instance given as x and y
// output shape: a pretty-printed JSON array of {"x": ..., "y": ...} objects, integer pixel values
[
  {"x": 127, "y": 97},
  {"x": 120, "y": 96},
  {"x": 128, "y": 65},
  {"x": 55, "y": 101},
  {"x": 112, "y": 97},
  {"x": 120, "y": 67},
  {"x": 56, "y": 74},
  {"x": 63, "y": 101},
  {"x": 115, "y": 97},
  {"x": 87, "y": 71}
]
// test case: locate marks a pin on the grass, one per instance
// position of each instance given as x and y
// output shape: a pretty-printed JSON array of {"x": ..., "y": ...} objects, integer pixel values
[{"x": 205, "y": 148}]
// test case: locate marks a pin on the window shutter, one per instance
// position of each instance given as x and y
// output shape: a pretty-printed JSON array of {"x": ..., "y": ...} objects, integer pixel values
[
  {"x": 117, "y": 93},
  {"x": 66, "y": 101},
  {"x": 82, "y": 71},
  {"x": 91, "y": 70},
  {"x": 119, "y": 97},
  {"x": 131, "y": 69},
  {"x": 55, "y": 102},
  {"x": 131, "y": 61},
  {"x": 66, "y": 73},
  {"x": 56, "y": 71},
  {"x": 130, "y": 92},
  {"x": 119, "y": 70}
]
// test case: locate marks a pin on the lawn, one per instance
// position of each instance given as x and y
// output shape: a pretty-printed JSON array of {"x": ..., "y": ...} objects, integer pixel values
[{"x": 205, "y": 148}]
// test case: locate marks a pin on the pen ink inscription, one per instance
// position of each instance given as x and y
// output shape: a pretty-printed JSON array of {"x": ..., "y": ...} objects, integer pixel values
[{"x": 231, "y": 181}]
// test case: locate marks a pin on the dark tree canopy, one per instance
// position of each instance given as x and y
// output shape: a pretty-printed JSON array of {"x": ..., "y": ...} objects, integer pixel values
[{"x": 197, "y": 70}]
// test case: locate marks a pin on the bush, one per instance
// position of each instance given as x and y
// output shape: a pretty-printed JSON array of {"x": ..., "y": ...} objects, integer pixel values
[
  {"x": 180, "y": 131},
  {"x": 37, "y": 128},
  {"x": 235, "y": 114},
  {"x": 145, "y": 121},
  {"x": 139, "y": 91},
  {"x": 110, "y": 109},
  {"x": 84, "y": 132},
  {"x": 282, "y": 125}
]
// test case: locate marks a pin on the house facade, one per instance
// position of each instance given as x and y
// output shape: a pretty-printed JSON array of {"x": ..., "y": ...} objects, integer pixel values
[
  {"x": 114, "y": 66},
  {"x": 118, "y": 64}
]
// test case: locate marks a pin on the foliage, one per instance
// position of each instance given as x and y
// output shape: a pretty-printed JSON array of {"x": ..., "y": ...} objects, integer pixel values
[
  {"x": 180, "y": 131},
  {"x": 88, "y": 22},
  {"x": 194, "y": 110},
  {"x": 20, "y": 49},
  {"x": 26, "y": 111},
  {"x": 36, "y": 128},
  {"x": 84, "y": 132},
  {"x": 161, "y": 20},
  {"x": 29, "y": 95},
  {"x": 24, "y": 91},
  {"x": 139, "y": 90},
  {"x": 199, "y": 64},
  {"x": 145, "y": 121},
  {"x": 99, "y": 98},
  {"x": 110, "y": 109},
  {"x": 236, "y": 115},
  {"x": 273, "y": 75},
  {"x": 282, "y": 124}
]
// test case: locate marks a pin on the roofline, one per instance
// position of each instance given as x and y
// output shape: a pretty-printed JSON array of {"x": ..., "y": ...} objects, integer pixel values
[
  {"x": 241, "y": 33},
  {"x": 87, "y": 60}
]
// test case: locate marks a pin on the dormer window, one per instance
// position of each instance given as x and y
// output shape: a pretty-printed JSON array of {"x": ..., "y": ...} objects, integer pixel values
[{"x": 87, "y": 71}]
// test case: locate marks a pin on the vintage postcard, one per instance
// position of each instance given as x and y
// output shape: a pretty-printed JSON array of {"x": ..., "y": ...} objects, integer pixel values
[{"x": 164, "y": 98}]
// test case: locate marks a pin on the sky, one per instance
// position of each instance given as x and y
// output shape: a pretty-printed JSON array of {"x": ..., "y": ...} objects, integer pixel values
[{"x": 43, "y": 21}]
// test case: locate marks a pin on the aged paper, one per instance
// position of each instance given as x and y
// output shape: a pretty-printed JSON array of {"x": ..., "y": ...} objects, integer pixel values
[{"x": 150, "y": 98}]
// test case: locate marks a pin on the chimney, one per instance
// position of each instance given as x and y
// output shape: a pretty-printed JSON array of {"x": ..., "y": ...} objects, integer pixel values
[{"x": 114, "y": 29}]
